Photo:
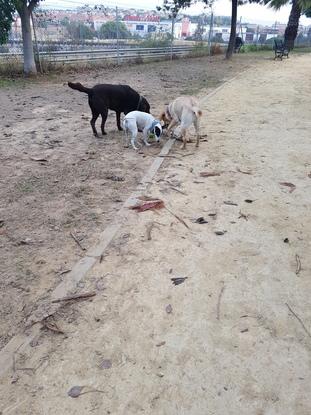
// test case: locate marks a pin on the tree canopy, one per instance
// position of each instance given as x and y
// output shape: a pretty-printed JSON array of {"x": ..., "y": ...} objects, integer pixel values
[
  {"x": 109, "y": 31},
  {"x": 7, "y": 10}
]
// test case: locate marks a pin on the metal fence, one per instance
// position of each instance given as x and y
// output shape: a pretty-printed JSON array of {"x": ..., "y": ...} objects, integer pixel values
[{"x": 117, "y": 54}]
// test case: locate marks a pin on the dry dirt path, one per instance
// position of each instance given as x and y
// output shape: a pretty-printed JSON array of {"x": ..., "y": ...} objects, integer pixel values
[{"x": 224, "y": 341}]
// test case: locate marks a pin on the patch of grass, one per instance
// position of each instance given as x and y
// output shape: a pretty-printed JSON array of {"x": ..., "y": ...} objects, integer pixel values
[
  {"x": 303, "y": 49},
  {"x": 255, "y": 48}
]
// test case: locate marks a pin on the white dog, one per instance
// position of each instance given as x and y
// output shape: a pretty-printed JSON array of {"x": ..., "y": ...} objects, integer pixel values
[
  {"x": 183, "y": 111},
  {"x": 136, "y": 121}
]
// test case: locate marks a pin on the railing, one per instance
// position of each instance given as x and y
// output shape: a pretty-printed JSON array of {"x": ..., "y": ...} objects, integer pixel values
[{"x": 121, "y": 54}]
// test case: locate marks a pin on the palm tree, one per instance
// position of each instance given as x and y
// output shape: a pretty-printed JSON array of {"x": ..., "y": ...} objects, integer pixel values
[{"x": 299, "y": 7}]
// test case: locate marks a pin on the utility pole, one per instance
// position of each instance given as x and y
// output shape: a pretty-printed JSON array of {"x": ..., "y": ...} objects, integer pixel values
[
  {"x": 241, "y": 30},
  {"x": 210, "y": 33},
  {"x": 118, "y": 46},
  {"x": 172, "y": 34}
]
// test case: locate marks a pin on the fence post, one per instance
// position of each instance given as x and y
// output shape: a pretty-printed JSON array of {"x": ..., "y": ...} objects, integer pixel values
[{"x": 118, "y": 46}]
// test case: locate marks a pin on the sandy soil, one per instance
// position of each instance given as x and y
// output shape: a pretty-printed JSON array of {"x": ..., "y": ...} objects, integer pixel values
[
  {"x": 77, "y": 189},
  {"x": 226, "y": 340}
]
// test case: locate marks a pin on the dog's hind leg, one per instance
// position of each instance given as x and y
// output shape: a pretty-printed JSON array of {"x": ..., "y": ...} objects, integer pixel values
[
  {"x": 118, "y": 114},
  {"x": 104, "y": 115},
  {"x": 95, "y": 115}
]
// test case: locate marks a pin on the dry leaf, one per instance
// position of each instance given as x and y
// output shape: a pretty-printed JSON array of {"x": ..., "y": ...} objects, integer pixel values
[
  {"x": 105, "y": 364},
  {"x": 75, "y": 391},
  {"x": 169, "y": 309},
  {"x": 148, "y": 205},
  {"x": 39, "y": 159},
  {"x": 178, "y": 280},
  {"x": 290, "y": 185}
]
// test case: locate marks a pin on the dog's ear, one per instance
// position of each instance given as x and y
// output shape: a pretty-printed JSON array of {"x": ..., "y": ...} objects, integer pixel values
[
  {"x": 162, "y": 116},
  {"x": 157, "y": 131}
]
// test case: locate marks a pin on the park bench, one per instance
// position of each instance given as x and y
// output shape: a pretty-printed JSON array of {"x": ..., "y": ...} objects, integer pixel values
[
  {"x": 279, "y": 49},
  {"x": 238, "y": 44}
]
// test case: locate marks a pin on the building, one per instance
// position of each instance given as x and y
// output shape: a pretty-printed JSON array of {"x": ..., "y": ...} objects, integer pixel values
[{"x": 142, "y": 25}]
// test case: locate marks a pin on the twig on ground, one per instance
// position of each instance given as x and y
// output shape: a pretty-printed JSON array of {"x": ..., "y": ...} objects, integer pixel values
[
  {"x": 75, "y": 297},
  {"x": 168, "y": 156},
  {"x": 219, "y": 300},
  {"x": 298, "y": 264},
  {"x": 243, "y": 171},
  {"x": 53, "y": 327},
  {"x": 242, "y": 215},
  {"x": 150, "y": 226},
  {"x": 179, "y": 191},
  {"x": 299, "y": 319},
  {"x": 77, "y": 241},
  {"x": 177, "y": 217}
]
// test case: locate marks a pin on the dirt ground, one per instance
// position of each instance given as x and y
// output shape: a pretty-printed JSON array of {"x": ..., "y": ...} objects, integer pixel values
[
  {"x": 77, "y": 189},
  {"x": 234, "y": 337}
]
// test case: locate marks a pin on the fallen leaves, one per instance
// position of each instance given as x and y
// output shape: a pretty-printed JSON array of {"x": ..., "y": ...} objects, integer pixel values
[
  {"x": 298, "y": 264},
  {"x": 200, "y": 220},
  {"x": 169, "y": 309},
  {"x": 105, "y": 364},
  {"x": 178, "y": 280},
  {"x": 290, "y": 185},
  {"x": 148, "y": 205},
  {"x": 75, "y": 391}
]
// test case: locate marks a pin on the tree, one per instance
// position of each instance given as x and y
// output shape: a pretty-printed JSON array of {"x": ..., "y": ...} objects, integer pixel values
[
  {"x": 173, "y": 7},
  {"x": 109, "y": 30},
  {"x": 298, "y": 8},
  {"x": 6, "y": 19},
  {"x": 234, "y": 13},
  {"x": 24, "y": 8},
  {"x": 79, "y": 30}
]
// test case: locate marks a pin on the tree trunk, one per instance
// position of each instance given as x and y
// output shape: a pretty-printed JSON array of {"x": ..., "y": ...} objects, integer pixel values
[
  {"x": 29, "y": 58},
  {"x": 292, "y": 26},
  {"x": 234, "y": 5}
]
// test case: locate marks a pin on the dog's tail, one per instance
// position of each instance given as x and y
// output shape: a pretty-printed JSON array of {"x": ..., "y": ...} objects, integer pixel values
[
  {"x": 197, "y": 111},
  {"x": 79, "y": 87}
]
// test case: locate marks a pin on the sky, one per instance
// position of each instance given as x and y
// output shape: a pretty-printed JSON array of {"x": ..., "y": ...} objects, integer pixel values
[{"x": 251, "y": 13}]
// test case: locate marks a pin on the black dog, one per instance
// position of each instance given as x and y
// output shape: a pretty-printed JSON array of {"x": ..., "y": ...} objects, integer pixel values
[{"x": 119, "y": 98}]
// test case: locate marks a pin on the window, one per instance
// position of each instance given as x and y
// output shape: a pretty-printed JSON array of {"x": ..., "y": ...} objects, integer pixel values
[{"x": 140, "y": 27}]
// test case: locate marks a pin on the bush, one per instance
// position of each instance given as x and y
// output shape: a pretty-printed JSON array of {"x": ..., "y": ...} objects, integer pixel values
[
  {"x": 216, "y": 49},
  {"x": 154, "y": 43}
]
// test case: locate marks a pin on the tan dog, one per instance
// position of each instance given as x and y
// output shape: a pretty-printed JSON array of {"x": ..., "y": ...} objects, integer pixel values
[{"x": 183, "y": 111}]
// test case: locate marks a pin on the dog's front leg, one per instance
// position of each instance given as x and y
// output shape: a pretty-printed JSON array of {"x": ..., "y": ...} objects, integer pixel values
[
  {"x": 197, "y": 131},
  {"x": 171, "y": 125},
  {"x": 145, "y": 137}
]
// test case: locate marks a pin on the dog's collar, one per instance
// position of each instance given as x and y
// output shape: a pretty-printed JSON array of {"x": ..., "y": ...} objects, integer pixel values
[{"x": 139, "y": 102}]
